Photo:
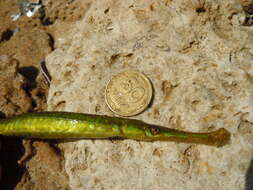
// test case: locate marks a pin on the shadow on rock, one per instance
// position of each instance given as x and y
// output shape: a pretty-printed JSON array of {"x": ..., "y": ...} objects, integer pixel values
[
  {"x": 249, "y": 177},
  {"x": 12, "y": 150},
  {"x": 2, "y": 115}
]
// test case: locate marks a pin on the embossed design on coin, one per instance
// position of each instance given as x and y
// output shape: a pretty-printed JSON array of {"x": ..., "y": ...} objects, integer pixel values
[{"x": 128, "y": 93}]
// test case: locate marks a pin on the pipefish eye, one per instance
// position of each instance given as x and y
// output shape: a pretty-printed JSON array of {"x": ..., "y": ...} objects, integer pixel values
[{"x": 154, "y": 131}]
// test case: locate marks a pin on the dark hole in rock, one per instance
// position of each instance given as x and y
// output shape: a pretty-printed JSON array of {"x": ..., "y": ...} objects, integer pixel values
[
  {"x": 57, "y": 150},
  {"x": 43, "y": 17},
  {"x": 51, "y": 41},
  {"x": 106, "y": 10},
  {"x": 46, "y": 21},
  {"x": 6, "y": 35},
  {"x": 200, "y": 10},
  {"x": 29, "y": 72},
  {"x": 40, "y": 94}
]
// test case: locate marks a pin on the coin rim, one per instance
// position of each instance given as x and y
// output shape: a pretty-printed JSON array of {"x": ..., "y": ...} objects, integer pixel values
[{"x": 149, "y": 98}]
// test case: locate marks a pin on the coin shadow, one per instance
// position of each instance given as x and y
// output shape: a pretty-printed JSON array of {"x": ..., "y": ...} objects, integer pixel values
[
  {"x": 152, "y": 97},
  {"x": 249, "y": 177}
]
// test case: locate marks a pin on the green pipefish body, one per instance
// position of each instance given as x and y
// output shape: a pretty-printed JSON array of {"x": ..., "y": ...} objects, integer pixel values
[{"x": 69, "y": 125}]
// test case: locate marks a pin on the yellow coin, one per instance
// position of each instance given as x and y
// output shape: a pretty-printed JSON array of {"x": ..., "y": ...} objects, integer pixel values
[{"x": 128, "y": 93}]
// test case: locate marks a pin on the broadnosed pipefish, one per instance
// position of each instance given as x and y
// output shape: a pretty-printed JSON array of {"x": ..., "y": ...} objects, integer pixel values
[{"x": 69, "y": 125}]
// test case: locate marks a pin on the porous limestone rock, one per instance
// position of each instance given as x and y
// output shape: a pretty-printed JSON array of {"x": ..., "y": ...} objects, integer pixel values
[{"x": 199, "y": 58}]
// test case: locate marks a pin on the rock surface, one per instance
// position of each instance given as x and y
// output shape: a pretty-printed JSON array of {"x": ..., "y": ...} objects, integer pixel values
[
  {"x": 199, "y": 59},
  {"x": 13, "y": 98},
  {"x": 44, "y": 169}
]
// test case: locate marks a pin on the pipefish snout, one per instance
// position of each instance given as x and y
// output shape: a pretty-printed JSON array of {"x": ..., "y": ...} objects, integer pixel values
[{"x": 64, "y": 125}]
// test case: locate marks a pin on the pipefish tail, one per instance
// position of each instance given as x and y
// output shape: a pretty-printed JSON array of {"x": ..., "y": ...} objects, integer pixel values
[{"x": 68, "y": 125}]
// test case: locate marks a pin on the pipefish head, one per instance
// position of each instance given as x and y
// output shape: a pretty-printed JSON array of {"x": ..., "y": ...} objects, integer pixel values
[
  {"x": 162, "y": 133},
  {"x": 139, "y": 130},
  {"x": 155, "y": 132},
  {"x": 152, "y": 131}
]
